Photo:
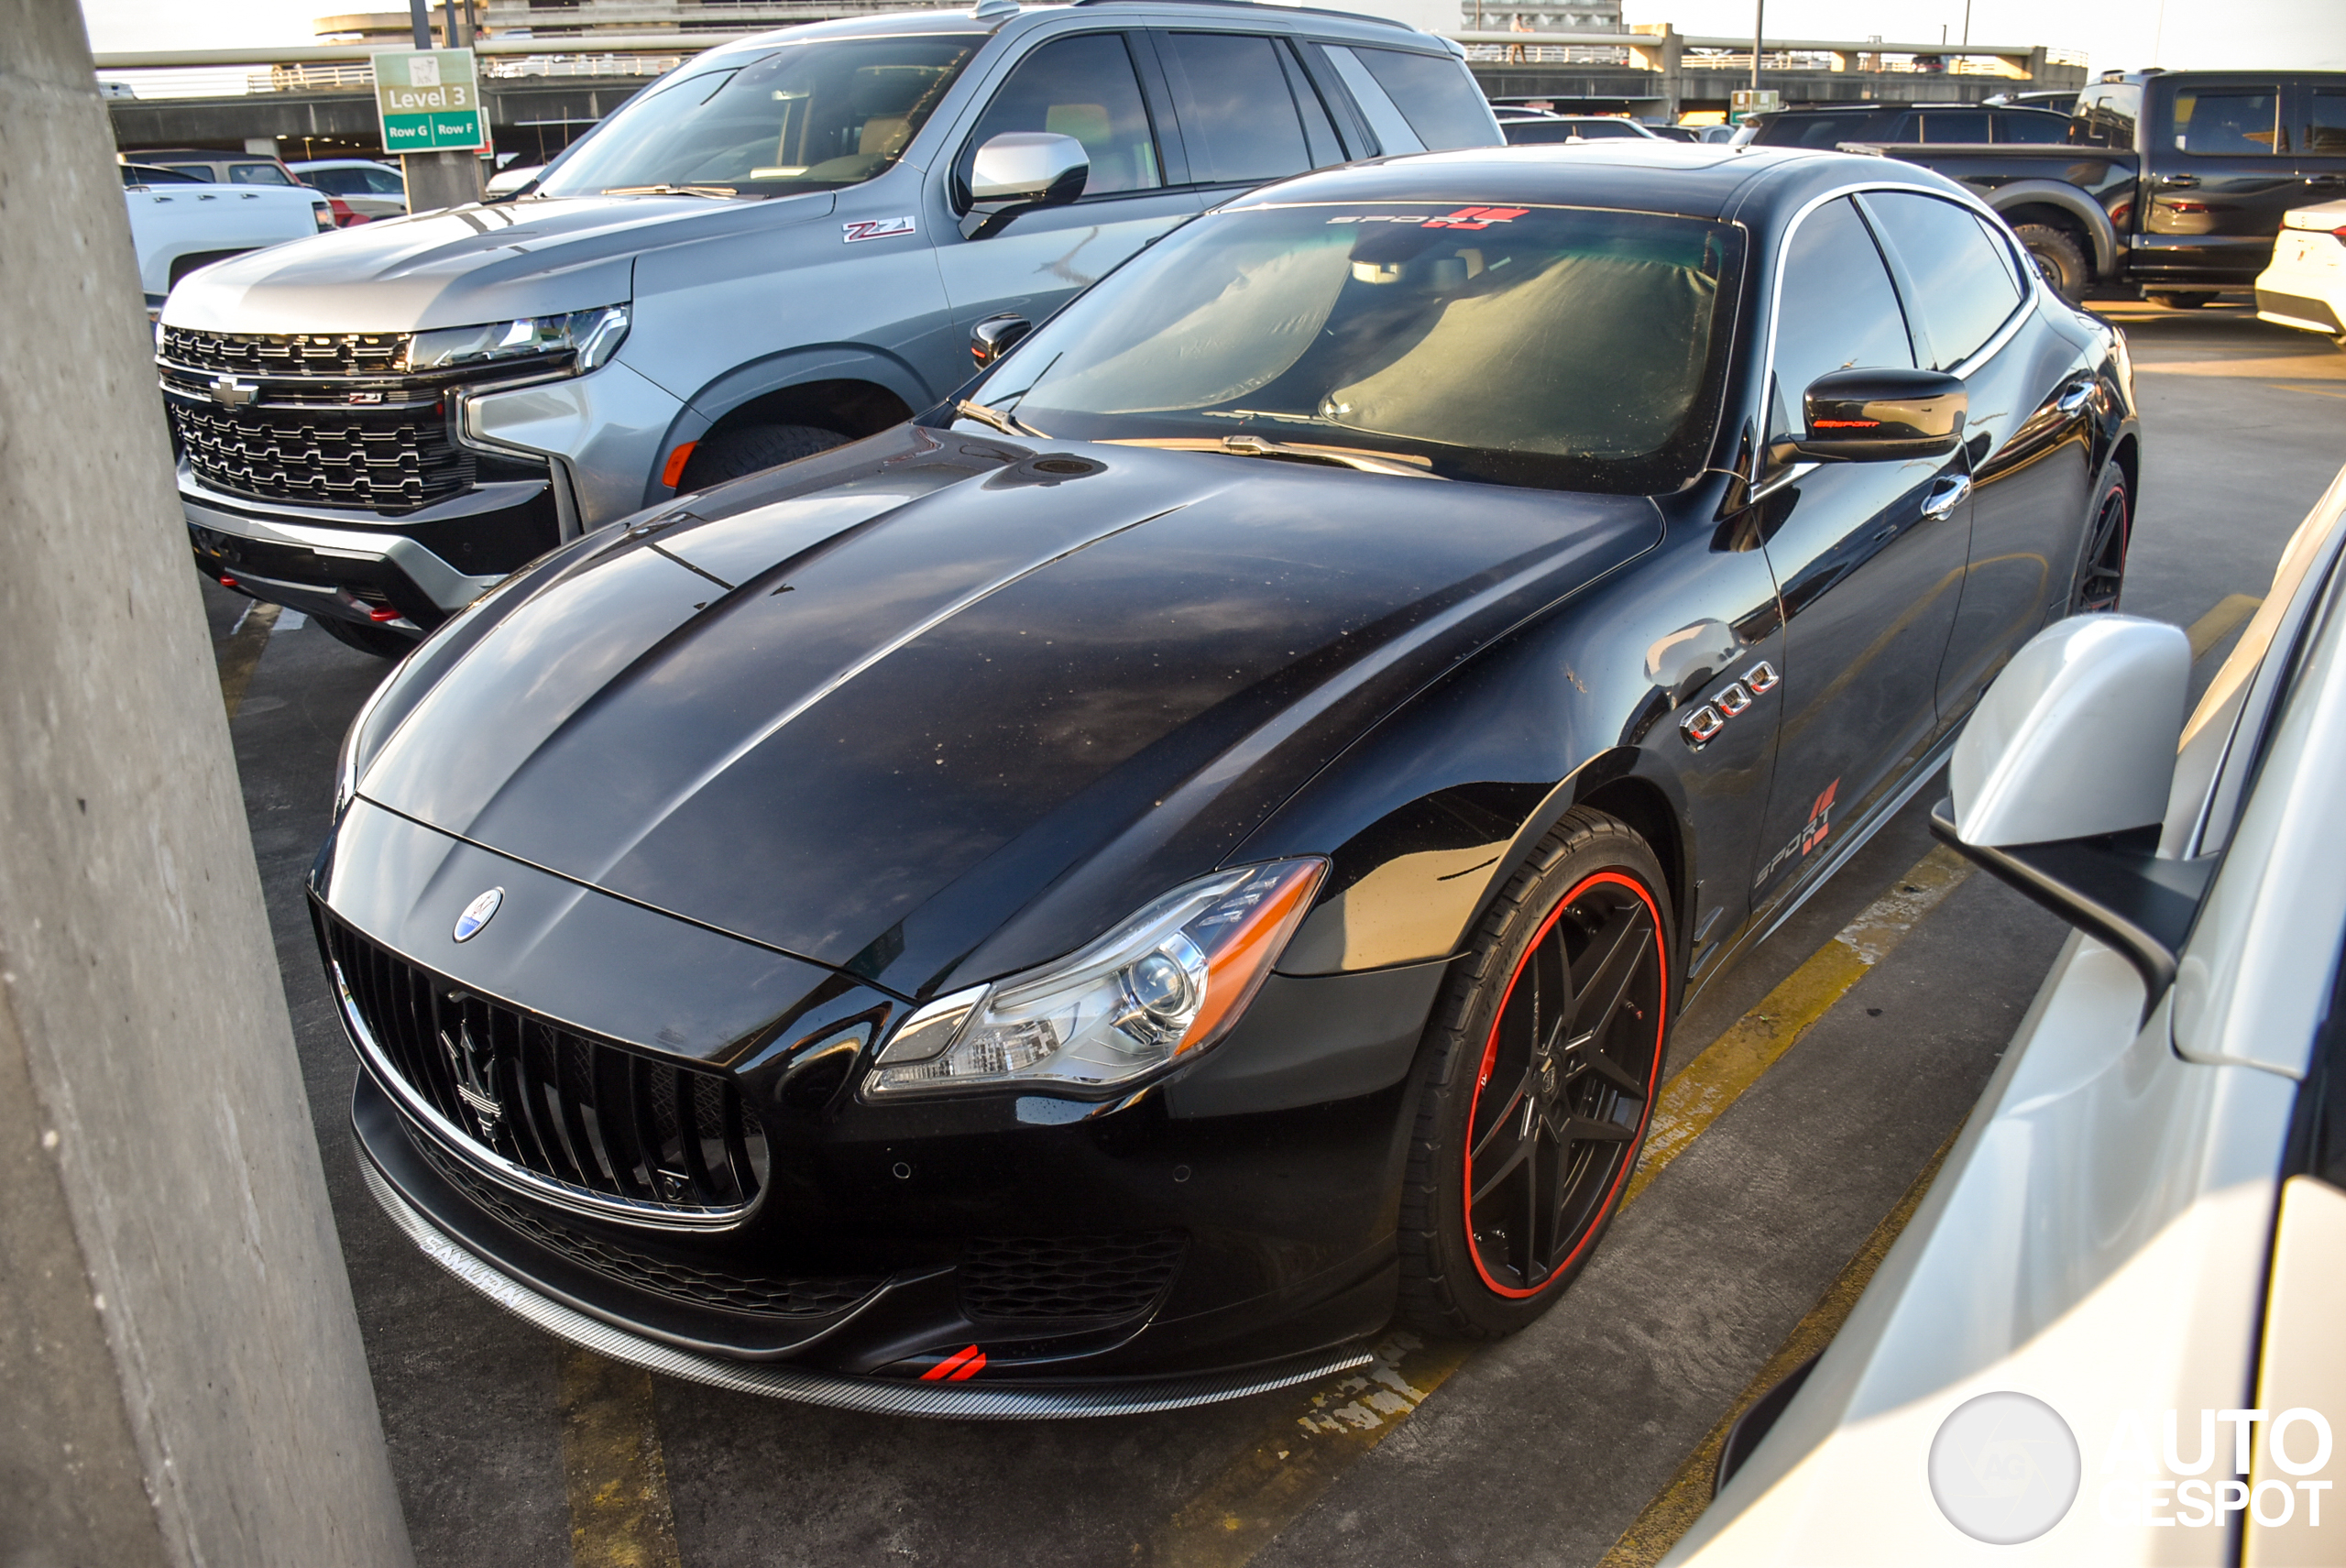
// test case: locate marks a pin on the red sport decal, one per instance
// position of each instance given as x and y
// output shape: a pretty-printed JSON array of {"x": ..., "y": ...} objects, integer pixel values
[
  {"x": 1475, "y": 217},
  {"x": 1820, "y": 819},
  {"x": 958, "y": 1367}
]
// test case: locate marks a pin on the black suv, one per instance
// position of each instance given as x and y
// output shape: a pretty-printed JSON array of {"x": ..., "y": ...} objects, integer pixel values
[{"x": 1829, "y": 124}]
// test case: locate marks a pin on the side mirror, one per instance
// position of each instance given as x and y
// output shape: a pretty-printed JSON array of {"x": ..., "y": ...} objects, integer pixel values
[
  {"x": 1020, "y": 170},
  {"x": 994, "y": 337},
  {"x": 1858, "y": 416},
  {"x": 2060, "y": 780}
]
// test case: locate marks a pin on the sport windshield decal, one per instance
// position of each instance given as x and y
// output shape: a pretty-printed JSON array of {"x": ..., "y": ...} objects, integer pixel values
[
  {"x": 1463, "y": 218},
  {"x": 876, "y": 228}
]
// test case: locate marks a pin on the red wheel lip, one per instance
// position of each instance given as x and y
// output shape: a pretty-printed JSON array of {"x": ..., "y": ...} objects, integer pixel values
[{"x": 1490, "y": 1050}]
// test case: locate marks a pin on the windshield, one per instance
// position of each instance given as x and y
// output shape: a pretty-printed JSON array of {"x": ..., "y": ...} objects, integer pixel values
[
  {"x": 1538, "y": 345},
  {"x": 810, "y": 116}
]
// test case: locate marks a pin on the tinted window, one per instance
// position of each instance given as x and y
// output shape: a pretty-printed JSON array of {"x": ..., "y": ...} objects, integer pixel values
[
  {"x": 2107, "y": 115},
  {"x": 1831, "y": 130},
  {"x": 2325, "y": 120},
  {"x": 1963, "y": 284},
  {"x": 1837, "y": 309},
  {"x": 336, "y": 181},
  {"x": 146, "y": 174},
  {"x": 1319, "y": 130},
  {"x": 257, "y": 175},
  {"x": 2227, "y": 121},
  {"x": 199, "y": 173},
  {"x": 1434, "y": 94},
  {"x": 1527, "y": 345},
  {"x": 384, "y": 181},
  {"x": 2038, "y": 130},
  {"x": 1082, "y": 87},
  {"x": 1238, "y": 122},
  {"x": 1956, "y": 125}
]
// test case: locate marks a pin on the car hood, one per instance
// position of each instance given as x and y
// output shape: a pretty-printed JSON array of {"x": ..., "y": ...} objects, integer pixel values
[
  {"x": 868, "y": 723},
  {"x": 463, "y": 265}
]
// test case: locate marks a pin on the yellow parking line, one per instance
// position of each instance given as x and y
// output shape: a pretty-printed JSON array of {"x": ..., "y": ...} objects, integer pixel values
[
  {"x": 612, "y": 1465},
  {"x": 1678, "y": 1505},
  {"x": 1316, "y": 1438},
  {"x": 2231, "y": 613},
  {"x": 240, "y": 653},
  {"x": 2316, "y": 391}
]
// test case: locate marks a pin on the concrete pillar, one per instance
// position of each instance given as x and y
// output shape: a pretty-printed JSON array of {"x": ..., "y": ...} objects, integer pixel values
[
  {"x": 1659, "y": 47},
  {"x": 182, "y": 1381},
  {"x": 437, "y": 180}
]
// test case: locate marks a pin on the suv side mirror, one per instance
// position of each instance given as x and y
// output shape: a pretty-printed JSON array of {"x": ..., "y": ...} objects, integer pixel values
[
  {"x": 2061, "y": 777},
  {"x": 1020, "y": 170},
  {"x": 1857, "y": 416},
  {"x": 994, "y": 337}
]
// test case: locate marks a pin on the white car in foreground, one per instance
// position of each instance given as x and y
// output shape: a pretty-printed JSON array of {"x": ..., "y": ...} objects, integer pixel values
[
  {"x": 2306, "y": 285},
  {"x": 2115, "y": 1331}
]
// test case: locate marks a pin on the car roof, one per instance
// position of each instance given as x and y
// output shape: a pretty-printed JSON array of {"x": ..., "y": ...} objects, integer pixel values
[
  {"x": 1234, "y": 13},
  {"x": 1702, "y": 180}
]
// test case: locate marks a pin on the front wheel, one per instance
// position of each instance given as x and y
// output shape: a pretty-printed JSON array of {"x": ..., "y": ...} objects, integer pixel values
[
  {"x": 2101, "y": 563},
  {"x": 1537, "y": 1082}
]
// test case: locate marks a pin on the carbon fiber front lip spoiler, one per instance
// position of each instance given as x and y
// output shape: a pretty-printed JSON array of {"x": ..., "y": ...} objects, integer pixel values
[{"x": 957, "y": 1402}]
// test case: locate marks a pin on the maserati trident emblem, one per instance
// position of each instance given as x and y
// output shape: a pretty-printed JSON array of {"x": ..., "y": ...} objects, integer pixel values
[
  {"x": 229, "y": 393},
  {"x": 477, "y": 913},
  {"x": 474, "y": 1067}
]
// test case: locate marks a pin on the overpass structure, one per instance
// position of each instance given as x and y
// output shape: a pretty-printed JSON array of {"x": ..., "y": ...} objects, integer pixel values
[{"x": 541, "y": 92}]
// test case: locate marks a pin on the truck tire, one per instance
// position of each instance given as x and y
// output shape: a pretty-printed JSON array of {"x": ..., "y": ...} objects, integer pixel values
[
  {"x": 2180, "y": 301},
  {"x": 2058, "y": 260},
  {"x": 747, "y": 448}
]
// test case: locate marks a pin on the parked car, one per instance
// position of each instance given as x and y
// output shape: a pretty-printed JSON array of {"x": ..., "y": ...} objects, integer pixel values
[
  {"x": 215, "y": 166},
  {"x": 2174, "y": 181},
  {"x": 1676, "y": 133},
  {"x": 2134, "y": 1258},
  {"x": 1086, "y": 901},
  {"x": 2060, "y": 99},
  {"x": 715, "y": 282},
  {"x": 179, "y": 223},
  {"x": 369, "y": 189},
  {"x": 513, "y": 182},
  {"x": 1574, "y": 127},
  {"x": 1830, "y": 124},
  {"x": 2306, "y": 285}
]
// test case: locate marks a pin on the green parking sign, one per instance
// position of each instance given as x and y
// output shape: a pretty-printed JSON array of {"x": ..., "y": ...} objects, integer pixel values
[{"x": 429, "y": 101}]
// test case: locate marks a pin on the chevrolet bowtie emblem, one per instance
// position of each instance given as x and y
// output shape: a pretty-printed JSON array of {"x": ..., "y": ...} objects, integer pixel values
[
  {"x": 474, "y": 1067},
  {"x": 229, "y": 393}
]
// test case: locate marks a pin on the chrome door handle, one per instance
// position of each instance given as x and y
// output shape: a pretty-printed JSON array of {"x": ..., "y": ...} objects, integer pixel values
[
  {"x": 2074, "y": 398},
  {"x": 1946, "y": 494}
]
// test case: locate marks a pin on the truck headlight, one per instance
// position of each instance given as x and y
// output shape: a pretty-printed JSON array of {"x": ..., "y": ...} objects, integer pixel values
[
  {"x": 591, "y": 336},
  {"x": 1166, "y": 985}
]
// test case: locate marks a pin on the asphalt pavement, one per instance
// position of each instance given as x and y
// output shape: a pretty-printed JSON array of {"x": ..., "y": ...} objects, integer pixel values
[{"x": 1547, "y": 1448}]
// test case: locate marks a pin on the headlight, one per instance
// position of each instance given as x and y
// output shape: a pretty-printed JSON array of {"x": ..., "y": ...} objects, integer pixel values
[
  {"x": 592, "y": 336},
  {"x": 1167, "y": 983}
]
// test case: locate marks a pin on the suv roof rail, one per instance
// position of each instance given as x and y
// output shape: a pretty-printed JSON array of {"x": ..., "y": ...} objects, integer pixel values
[{"x": 1263, "y": 6}]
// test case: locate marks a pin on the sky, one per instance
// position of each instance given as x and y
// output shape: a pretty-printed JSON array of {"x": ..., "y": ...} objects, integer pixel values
[{"x": 2207, "y": 35}]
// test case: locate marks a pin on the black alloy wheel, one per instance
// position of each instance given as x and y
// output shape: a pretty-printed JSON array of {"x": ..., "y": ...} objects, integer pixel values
[
  {"x": 1536, "y": 1093},
  {"x": 2101, "y": 563}
]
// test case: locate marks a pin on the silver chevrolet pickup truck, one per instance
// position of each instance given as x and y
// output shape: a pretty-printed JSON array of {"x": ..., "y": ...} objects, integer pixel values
[{"x": 785, "y": 244}]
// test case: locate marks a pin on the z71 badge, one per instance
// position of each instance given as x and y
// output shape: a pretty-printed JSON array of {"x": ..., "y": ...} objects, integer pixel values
[{"x": 877, "y": 228}]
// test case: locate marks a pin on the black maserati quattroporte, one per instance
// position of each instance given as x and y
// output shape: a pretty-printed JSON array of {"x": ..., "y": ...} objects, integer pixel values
[{"x": 1102, "y": 897}]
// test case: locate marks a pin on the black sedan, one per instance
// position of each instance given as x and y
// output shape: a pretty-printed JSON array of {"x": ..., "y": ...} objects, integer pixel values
[{"x": 1100, "y": 896}]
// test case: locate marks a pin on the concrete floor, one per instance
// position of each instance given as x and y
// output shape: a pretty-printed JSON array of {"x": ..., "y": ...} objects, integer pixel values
[{"x": 1539, "y": 1449}]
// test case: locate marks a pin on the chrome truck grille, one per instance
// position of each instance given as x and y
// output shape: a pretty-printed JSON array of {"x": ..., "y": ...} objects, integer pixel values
[{"x": 563, "y": 1117}]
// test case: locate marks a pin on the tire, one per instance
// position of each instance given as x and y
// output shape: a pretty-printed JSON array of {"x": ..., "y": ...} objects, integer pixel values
[
  {"x": 380, "y": 641},
  {"x": 2179, "y": 301},
  {"x": 1547, "y": 1129},
  {"x": 2059, "y": 261},
  {"x": 745, "y": 449},
  {"x": 2100, "y": 577}
]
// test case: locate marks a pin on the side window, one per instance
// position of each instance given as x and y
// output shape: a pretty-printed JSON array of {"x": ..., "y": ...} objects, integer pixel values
[
  {"x": 1435, "y": 93},
  {"x": 383, "y": 182},
  {"x": 1956, "y": 125},
  {"x": 1835, "y": 311},
  {"x": 2228, "y": 121},
  {"x": 2034, "y": 130},
  {"x": 1082, "y": 87},
  {"x": 257, "y": 175},
  {"x": 1963, "y": 281},
  {"x": 2325, "y": 127},
  {"x": 1238, "y": 122},
  {"x": 1319, "y": 130},
  {"x": 2107, "y": 117}
]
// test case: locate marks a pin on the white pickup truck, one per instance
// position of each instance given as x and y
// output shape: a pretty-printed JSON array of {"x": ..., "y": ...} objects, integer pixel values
[{"x": 178, "y": 225}]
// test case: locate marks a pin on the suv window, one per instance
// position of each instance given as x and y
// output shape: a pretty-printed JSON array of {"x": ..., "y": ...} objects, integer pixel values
[
  {"x": 1082, "y": 87},
  {"x": 2033, "y": 130},
  {"x": 1239, "y": 121},
  {"x": 1837, "y": 309},
  {"x": 2105, "y": 115},
  {"x": 1440, "y": 101},
  {"x": 1956, "y": 125},
  {"x": 2325, "y": 129},
  {"x": 2228, "y": 121},
  {"x": 1831, "y": 130},
  {"x": 1963, "y": 281},
  {"x": 257, "y": 175}
]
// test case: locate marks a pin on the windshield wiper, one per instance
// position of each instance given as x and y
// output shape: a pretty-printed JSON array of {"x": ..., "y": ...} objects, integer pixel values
[
  {"x": 716, "y": 192},
  {"x": 1405, "y": 464},
  {"x": 997, "y": 418}
]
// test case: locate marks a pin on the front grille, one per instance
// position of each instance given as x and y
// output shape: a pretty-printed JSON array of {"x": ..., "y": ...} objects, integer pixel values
[
  {"x": 642, "y": 1135},
  {"x": 386, "y": 459},
  {"x": 1068, "y": 1278},
  {"x": 373, "y": 355},
  {"x": 770, "y": 1297}
]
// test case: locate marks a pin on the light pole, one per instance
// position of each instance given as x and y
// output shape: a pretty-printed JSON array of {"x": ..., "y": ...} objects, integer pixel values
[{"x": 1759, "y": 30}]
